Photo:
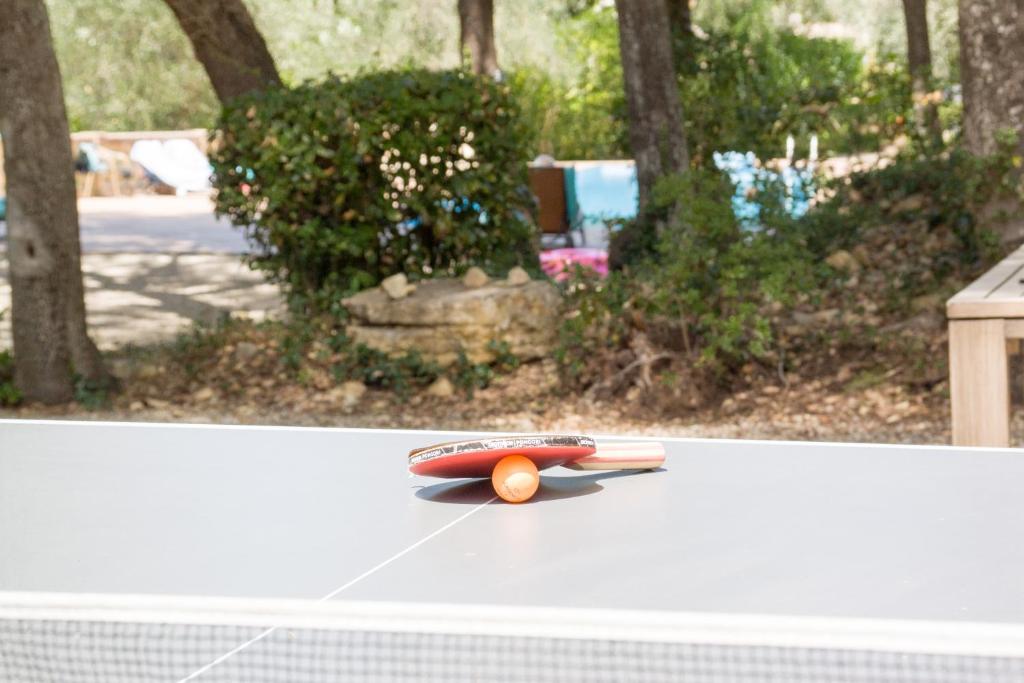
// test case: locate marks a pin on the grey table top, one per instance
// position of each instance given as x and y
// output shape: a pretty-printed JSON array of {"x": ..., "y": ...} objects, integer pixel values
[{"x": 727, "y": 526}]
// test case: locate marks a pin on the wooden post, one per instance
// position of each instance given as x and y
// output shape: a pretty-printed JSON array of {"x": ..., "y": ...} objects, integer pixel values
[{"x": 979, "y": 382}]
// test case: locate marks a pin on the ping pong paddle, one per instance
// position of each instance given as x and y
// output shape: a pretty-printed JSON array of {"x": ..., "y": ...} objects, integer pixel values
[{"x": 477, "y": 457}]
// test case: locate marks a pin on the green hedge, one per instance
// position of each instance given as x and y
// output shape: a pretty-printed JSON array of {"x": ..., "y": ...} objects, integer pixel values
[{"x": 341, "y": 183}]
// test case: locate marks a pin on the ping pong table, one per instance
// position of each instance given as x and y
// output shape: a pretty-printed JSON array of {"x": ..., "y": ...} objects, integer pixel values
[{"x": 144, "y": 552}]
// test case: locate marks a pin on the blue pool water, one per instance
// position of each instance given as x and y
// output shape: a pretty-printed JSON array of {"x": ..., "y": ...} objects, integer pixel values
[{"x": 608, "y": 190}]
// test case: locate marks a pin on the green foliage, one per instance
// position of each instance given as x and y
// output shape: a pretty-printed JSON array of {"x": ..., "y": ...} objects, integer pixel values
[
  {"x": 716, "y": 283},
  {"x": 127, "y": 66},
  {"x": 702, "y": 292},
  {"x": 91, "y": 395},
  {"x": 745, "y": 85},
  {"x": 470, "y": 376},
  {"x": 582, "y": 115},
  {"x": 307, "y": 344},
  {"x": 194, "y": 347},
  {"x": 9, "y": 394},
  {"x": 598, "y": 324},
  {"x": 720, "y": 280},
  {"x": 504, "y": 359},
  {"x": 930, "y": 214},
  {"x": 374, "y": 368},
  {"x": 158, "y": 83},
  {"x": 747, "y": 89},
  {"x": 344, "y": 182}
]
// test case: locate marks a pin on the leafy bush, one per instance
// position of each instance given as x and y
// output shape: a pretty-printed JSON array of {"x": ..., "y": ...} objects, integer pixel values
[
  {"x": 375, "y": 368},
  {"x": 931, "y": 217},
  {"x": 703, "y": 285},
  {"x": 341, "y": 183},
  {"x": 704, "y": 300},
  {"x": 9, "y": 394}
]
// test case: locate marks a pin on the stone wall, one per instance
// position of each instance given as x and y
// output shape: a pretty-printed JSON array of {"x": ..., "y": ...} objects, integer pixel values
[{"x": 440, "y": 317}]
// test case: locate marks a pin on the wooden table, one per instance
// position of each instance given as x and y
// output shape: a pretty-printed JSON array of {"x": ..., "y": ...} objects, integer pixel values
[{"x": 986, "y": 320}]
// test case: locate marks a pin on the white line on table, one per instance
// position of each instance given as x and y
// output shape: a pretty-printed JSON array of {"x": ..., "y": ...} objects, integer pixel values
[{"x": 227, "y": 655}]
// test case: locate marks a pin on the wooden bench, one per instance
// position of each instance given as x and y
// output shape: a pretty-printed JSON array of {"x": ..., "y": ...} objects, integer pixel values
[{"x": 986, "y": 322}]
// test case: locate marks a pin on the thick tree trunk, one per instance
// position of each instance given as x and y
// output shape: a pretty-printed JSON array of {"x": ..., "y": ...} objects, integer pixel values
[
  {"x": 48, "y": 311},
  {"x": 655, "y": 113},
  {"x": 919, "y": 62},
  {"x": 991, "y": 59},
  {"x": 227, "y": 44},
  {"x": 476, "y": 36}
]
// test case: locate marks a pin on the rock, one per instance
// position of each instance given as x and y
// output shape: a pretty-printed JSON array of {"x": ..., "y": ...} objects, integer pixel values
[
  {"x": 844, "y": 261},
  {"x": 444, "y": 317},
  {"x": 911, "y": 204},
  {"x": 445, "y": 301},
  {"x": 246, "y": 351},
  {"x": 397, "y": 286},
  {"x": 924, "y": 322},
  {"x": 120, "y": 367},
  {"x": 157, "y": 403},
  {"x": 862, "y": 254},
  {"x": 203, "y": 395},
  {"x": 147, "y": 371},
  {"x": 348, "y": 394},
  {"x": 441, "y": 388},
  {"x": 474, "y": 278},
  {"x": 845, "y": 374},
  {"x": 827, "y": 316},
  {"x": 136, "y": 406},
  {"x": 517, "y": 276}
]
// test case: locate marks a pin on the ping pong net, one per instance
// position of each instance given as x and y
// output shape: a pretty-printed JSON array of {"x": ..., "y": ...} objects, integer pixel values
[{"x": 77, "y": 638}]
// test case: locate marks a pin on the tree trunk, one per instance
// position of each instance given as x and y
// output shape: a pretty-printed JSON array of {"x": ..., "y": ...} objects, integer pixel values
[
  {"x": 48, "y": 311},
  {"x": 476, "y": 36},
  {"x": 991, "y": 55},
  {"x": 228, "y": 44},
  {"x": 652, "y": 95},
  {"x": 919, "y": 62},
  {"x": 680, "y": 17}
]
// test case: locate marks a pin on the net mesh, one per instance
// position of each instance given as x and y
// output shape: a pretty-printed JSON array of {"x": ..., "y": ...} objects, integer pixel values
[{"x": 45, "y": 651}]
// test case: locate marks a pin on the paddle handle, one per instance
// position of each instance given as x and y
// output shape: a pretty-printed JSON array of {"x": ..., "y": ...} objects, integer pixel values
[{"x": 641, "y": 455}]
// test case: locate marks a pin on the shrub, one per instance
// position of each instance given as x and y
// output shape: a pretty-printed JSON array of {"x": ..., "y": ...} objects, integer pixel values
[
  {"x": 703, "y": 280},
  {"x": 707, "y": 301},
  {"x": 9, "y": 394},
  {"x": 341, "y": 183},
  {"x": 932, "y": 217}
]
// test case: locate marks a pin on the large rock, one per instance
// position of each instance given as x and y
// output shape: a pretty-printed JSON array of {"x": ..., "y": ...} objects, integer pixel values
[{"x": 442, "y": 316}]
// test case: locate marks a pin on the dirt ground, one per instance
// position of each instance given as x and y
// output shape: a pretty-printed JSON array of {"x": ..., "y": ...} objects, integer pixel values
[{"x": 529, "y": 400}]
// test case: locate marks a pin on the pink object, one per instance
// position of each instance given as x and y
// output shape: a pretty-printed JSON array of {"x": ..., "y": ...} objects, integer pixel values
[{"x": 557, "y": 263}]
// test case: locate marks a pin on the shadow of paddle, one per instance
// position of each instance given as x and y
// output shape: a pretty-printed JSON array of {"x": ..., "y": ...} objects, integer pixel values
[{"x": 476, "y": 491}]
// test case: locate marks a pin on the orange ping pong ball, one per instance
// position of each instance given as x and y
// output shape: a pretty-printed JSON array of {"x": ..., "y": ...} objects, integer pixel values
[{"x": 515, "y": 478}]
